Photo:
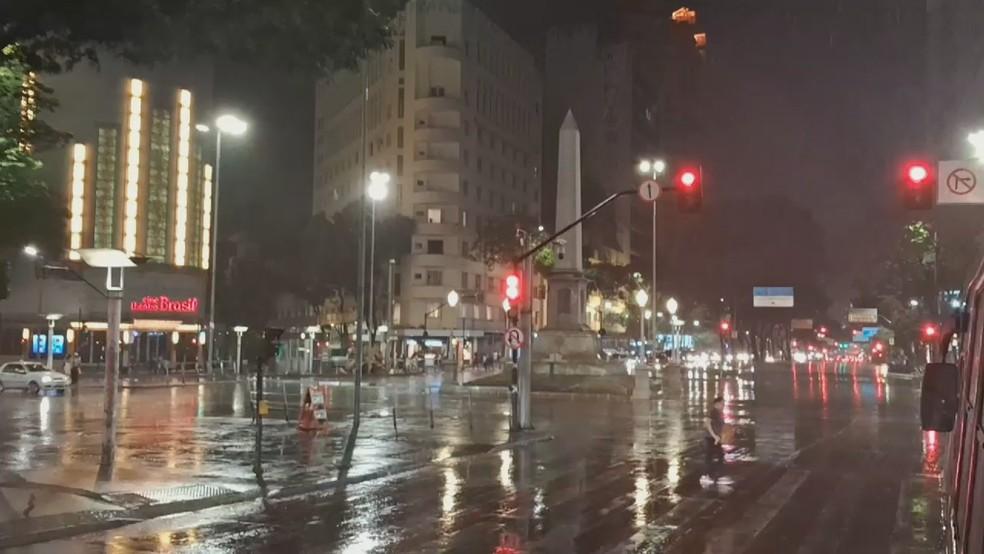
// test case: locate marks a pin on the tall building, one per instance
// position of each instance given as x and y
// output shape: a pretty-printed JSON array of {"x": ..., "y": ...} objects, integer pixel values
[
  {"x": 134, "y": 177},
  {"x": 453, "y": 114},
  {"x": 133, "y": 173}
]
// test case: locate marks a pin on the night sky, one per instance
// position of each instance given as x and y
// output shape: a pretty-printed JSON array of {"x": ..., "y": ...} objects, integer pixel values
[{"x": 815, "y": 102}]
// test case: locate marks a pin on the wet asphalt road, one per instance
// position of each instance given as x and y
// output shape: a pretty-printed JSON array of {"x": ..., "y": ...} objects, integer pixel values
[{"x": 829, "y": 459}]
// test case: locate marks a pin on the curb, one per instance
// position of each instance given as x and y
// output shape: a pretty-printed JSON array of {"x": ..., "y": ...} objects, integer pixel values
[{"x": 32, "y": 530}]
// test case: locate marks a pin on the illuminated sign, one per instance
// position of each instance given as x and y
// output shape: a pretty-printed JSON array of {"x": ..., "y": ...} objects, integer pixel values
[{"x": 163, "y": 304}]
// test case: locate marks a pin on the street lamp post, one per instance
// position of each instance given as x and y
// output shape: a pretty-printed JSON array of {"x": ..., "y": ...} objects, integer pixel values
[
  {"x": 377, "y": 191},
  {"x": 642, "y": 298},
  {"x": 230, "y": 125},
  {"x": 114, "y": 261},
  {"x": 389, "y": 313},
  {"x": 240, "y": 330},
  {"x": 52, "y": 318},
  {"x": 453, "y": 299},
  {"x": 653, "y": 168},
  {"x": 671, "y": 307}
]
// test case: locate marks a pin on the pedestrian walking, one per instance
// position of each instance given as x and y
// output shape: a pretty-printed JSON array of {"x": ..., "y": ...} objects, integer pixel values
[{"x": 713, "y": 450}]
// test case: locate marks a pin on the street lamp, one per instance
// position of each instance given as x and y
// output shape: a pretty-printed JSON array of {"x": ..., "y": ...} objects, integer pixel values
[
  {"x": 376, "y": 191},
  {"x": 240, "y": 330},
  {"x": 641, "y": 298},
  {"x": 913, "y": 303},
  {"x": 225, "y": 124},
  {"x": 976, "y": 139},
  {"x": 52, "y": 318},
  {"x": 653, "y": 168},
  {"x": 671, "y": 307},
  {"x": 32, "y": 250}
]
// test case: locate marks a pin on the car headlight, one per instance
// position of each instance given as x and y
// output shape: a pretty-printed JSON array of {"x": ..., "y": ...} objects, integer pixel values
[{"x": 46, "y": 379}]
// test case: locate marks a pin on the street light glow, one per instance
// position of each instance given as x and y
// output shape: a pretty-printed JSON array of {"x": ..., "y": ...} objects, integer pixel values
[
  {"x": 649, "y": 314},
  {"x": 378, "y": 186},
  {"x": 645, "y": 166},
  {"x": 231, "y": 125},
  {"x": 202, "y": 128},
  {"x": 505, "y": 305},
  {"x": 659, "y": 166},
  {"x": 641, "y": 297},
  {"x": 453, "y": 298},
  {"x": 976, "y": 139},
  {"x": 31, "y": 250},
  {"x": 913, "y": 303},
  {"x": 672, "y": 305}
]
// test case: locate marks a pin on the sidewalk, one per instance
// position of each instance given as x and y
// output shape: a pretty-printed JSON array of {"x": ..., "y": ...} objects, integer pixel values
[{"x": 170, "y": 463}]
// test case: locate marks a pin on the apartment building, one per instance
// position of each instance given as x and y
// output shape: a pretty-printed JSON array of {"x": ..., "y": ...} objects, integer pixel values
[{"x": 453, "y": 114}]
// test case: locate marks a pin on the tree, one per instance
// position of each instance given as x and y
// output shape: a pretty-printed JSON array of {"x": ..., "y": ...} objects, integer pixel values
[
  {"x": 29, "y": 212},
  {"x": 311, "y": 37}
]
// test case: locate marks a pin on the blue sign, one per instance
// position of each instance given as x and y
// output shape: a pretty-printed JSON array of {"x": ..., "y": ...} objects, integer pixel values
[
  {"x": 39, "y": 345},
  {"x": 772, "y": 297}
]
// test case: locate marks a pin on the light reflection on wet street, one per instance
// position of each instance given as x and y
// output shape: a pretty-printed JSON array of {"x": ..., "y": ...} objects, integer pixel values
[{"x": 828, "y": 459}]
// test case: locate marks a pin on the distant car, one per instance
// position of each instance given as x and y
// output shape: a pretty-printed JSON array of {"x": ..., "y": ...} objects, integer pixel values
[{"x": 32, "y": 377}]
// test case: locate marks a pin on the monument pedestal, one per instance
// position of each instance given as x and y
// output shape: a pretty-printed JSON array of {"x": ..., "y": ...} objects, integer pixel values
[{"x": 566, "y": 336}]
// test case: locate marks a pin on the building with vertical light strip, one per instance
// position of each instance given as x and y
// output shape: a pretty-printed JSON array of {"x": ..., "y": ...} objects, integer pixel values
[{"x": 135, "y": 176}]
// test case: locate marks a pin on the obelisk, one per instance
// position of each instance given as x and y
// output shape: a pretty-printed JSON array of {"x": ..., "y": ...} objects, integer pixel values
[{"x": 566, "y": 335}]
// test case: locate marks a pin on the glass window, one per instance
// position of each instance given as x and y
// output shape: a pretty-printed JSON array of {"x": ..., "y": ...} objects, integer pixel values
[
  {"x": 435, "y": 246},
  {"x": 434, "y": 215},
  {"x": 434, "y": 277}
]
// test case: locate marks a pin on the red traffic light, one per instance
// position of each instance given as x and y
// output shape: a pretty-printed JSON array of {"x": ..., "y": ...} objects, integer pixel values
[
  {"x": 511, "y": 287},
  {"x": 725, "y": 326},
  {"x": 918, "y": 189},
  {"x": 690, "y": 196},
  {"x": 930, "y": 331}
]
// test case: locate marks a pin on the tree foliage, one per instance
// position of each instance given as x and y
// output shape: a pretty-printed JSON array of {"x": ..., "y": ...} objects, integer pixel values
[{"x": 312, "y": 37}]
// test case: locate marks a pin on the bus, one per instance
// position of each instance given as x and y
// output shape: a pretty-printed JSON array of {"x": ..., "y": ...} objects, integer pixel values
[{"x": 951, "y": 403}]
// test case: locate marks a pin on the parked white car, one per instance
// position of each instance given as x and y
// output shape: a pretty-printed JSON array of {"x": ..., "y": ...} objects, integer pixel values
[{"x": 32, "y": 377}]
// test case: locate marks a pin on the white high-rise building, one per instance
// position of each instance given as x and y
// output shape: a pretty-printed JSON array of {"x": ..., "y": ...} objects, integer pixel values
[{"x": 454, "y": 115}]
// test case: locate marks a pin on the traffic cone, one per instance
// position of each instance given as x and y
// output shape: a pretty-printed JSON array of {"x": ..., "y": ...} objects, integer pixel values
[{"x": 306, "y": 420}]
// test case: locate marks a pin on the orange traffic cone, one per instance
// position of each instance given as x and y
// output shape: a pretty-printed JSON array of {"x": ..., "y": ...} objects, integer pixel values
[{"x": 306, "y": 420}]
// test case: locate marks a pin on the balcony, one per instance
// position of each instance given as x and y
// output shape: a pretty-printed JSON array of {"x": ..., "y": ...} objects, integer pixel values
[
  {"x": 435, "y": 197},
  {"x": 437, "y": 134},
  {"x": 428, "y": 164},
  {"x": 437, "y": 101},
  {"x": 440, "y": 50}
]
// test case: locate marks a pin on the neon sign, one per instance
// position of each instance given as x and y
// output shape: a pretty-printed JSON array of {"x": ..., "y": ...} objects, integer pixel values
[{"x": 164, "y": 305}]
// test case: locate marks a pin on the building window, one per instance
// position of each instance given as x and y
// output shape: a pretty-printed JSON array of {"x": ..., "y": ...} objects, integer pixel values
[
  {"x": 107, "y": 147},
  {"x": 399, "y": 165},
  {"x": 435, "y": 246},
  {"x": 464, "y": 187},
  {"x": 434, "y": 277},
  {"x": 464, "y": 248},
  {"x": 399, "y": 137},
  {"x": 464, "y": 280},
  {"x": 488, "y": 313},
  {"x": 478, "y": 284},
  {"x": 418, "y": 277},
  {"x": 464, "y": 218},
  {"x": 158, "y": 186},
  {"x": 439, "y": 40},
  {"x": 433, "y": 310},
  {"x": 434, "y": 215},
  {"x": 399, "y": 103},
  {"x": 403, "y": 54}
]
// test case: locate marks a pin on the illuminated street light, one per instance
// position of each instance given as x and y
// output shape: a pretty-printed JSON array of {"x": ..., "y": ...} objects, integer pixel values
[
  {"x": 378, "y": 187},
  {"x": 505, "y": 305},
  {"x": 976, "y": 139},
  {"x": 31, "y": 250},
  {"x": 225, "y": 124},
  {"x": 453, "y": 298},
  {"x": 649, "y": 314},
  {"x": 641, "y": 297},
  {"x": 672, "y": 305},
  {"x": 913, "y": 303},
  {"x": 696, "y": 323}
]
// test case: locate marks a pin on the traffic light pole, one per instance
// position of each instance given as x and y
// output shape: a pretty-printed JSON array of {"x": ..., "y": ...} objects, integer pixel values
[{"x": 524, "y": 385}]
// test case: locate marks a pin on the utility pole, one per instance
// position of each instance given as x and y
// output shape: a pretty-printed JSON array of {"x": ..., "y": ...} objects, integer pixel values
[
  {"x": 525, "y": 384},
  {"x": 389, "y": 313},
  {"x": 361, "y": 280}
]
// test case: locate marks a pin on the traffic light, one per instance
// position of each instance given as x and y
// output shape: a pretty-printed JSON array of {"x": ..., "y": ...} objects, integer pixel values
[
  {"x": 930, "y": 332},
  {"x": 689, "y": 189},
  {"x": 725, "y": 327},
  {"x": 512, "y": 288},
  {"x": 918, "y": 186}
]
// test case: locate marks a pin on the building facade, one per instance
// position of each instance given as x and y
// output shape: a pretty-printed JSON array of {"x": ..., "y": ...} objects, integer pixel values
[
  {"x": 453, "y": 115},
  {"x": 134, "y": 177}
]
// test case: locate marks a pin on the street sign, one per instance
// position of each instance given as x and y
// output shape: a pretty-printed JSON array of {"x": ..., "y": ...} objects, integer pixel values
[
  {"x": 514, "y": 338},
  {"x": 801, "y": 324},
  {"x": 772, "y": 297},
  {"x": 649, "y": 191},
  {"x": 862, "y": 315},
  {"x": 960, "y": 182}
]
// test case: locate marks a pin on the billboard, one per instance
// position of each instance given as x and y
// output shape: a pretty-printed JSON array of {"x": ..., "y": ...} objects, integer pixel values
[
  {"x": 801, "y": 324},
  {"x": 865, "y": 334},
  {"x": 39, "y": 345},
  {"x": 862, "y": 315},
  {"x": 772, "y": 297}
]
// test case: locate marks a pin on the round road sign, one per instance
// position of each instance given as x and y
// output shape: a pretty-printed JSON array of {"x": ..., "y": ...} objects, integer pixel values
[
  {"x": 649, "y": 191},
  {"x": 514, "y": 338}
]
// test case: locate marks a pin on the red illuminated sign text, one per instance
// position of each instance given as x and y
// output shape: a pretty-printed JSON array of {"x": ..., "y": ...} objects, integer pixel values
[{"x": 163, "y": 304}]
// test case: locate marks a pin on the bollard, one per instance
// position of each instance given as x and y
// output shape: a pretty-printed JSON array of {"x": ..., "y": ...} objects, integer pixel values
[
  {"x": 396, "y": 432},
  {"x": 283, "y": 393}
]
